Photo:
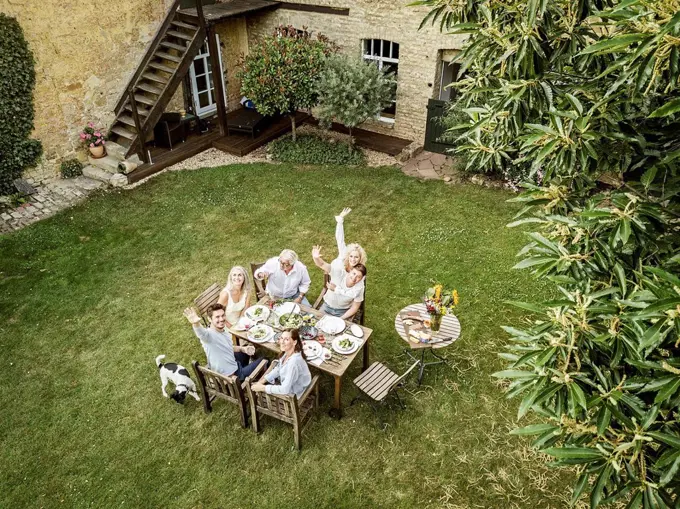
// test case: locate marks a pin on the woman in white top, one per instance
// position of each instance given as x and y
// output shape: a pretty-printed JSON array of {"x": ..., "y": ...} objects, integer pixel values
[
  {"x": 351, "y": 254},
  {"x": 235, "y": 297},
  {"x": 291, "y": 370}
]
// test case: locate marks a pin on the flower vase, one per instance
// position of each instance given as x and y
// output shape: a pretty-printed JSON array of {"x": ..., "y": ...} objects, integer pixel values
[
  {"x": 435, "y": 322},
  {"x": 97, "y": 151}
]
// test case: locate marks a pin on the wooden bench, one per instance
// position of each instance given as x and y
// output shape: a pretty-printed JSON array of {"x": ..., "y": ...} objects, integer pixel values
[
  {"x": 214, "y": 385},
  {"x": 286, "y": 408}
]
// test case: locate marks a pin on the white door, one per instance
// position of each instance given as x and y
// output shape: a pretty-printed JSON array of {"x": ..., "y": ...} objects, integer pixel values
[{"x": 202, "y": 85}]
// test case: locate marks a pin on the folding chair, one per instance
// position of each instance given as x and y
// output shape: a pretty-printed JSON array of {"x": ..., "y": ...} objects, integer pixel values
[
  {"x": 214, "y": 385},
  {"x": 260, "y": 285},
  {"x": 378, "y": 382},
  {"x": 209, "y": 297},
  {"x": 286, "y": 408}
]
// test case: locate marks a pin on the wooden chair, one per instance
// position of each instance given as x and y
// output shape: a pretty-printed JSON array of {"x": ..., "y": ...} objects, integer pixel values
[
  {"x": 378, "y": 382},
  {"x": 359, "y": 315},
  {"x": 260, "y": 285},
  {"x": 207, "y": 299},
  {"x": 286, "y": 408},
  {"x": 214, "y": 385}
]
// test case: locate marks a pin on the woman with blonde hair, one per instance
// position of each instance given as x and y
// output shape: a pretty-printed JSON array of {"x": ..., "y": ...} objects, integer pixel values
[
  {"x": 352, "y": 254},
  {"x": 235, "y": 297}
]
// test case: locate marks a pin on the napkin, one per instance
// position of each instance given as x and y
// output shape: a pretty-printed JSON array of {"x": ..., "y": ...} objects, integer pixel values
[{"x": 317, "y": 362}]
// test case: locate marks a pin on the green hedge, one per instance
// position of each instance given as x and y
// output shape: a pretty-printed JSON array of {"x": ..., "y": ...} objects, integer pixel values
[
  {"x": 17, "y": 79},
  {"x": 311, "y": 149}
]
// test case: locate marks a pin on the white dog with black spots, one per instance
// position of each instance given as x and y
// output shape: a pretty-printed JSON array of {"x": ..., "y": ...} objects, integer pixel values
[{"x": 179, "y": 376}]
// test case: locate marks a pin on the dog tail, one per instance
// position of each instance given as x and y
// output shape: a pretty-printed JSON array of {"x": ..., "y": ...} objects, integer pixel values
[{"x": 158, "y": 360}]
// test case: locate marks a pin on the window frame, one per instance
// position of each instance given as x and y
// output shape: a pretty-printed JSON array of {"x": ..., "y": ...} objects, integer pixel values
[{"x": 367, "y": 50}]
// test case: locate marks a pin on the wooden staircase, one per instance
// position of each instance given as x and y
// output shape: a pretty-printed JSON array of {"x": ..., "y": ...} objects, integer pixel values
[{"x": 161, "y": 71}]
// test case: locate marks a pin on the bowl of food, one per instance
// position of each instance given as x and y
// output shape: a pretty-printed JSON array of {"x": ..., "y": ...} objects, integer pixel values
[
  {"x": 290, "y": 321},
  {"x": 308, "y": 332}
]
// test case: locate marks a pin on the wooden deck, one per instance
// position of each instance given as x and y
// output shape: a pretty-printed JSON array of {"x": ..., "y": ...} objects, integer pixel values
[
  {"x": 373, "y": 141},
  {"x": 215, "y": 13},
  {"x": 236, "y": 144}
]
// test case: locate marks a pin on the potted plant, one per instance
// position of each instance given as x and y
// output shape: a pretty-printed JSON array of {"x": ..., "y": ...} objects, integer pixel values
[
  {"x": 439, "y": 302},
  {"x": 94, "y": 139}
]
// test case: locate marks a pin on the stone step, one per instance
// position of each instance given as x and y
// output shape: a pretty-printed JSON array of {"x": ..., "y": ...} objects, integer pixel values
[
  {"x": 107, "y": 163},
  {"x": 88, "y": 184},
  {"x": 94, "y": 173},
  {"x": 115, "y": 150}
]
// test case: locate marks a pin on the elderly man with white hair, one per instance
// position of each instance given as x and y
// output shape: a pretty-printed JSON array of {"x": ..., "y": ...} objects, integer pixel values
[{"x": 288, "y": 277}]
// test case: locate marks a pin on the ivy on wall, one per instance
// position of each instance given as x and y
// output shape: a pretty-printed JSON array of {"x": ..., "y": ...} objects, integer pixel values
[{"x": 17, "y": 79}]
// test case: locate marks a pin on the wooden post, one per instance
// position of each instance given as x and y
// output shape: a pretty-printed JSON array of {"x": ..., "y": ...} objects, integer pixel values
[
  {"x": 199, "y": 13},
  {"x": 218, "y": 79},
  {"x": 141, "y": 137}
]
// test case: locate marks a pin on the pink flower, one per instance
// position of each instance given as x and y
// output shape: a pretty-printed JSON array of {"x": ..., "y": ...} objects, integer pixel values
[
  {"x": 90, "y": 124},
  {"x": 98, "y": 134},
  {"x": 103, "y": 142},
  {"x": 82, "y": 136},
  {"x": 92, "y": 145}
]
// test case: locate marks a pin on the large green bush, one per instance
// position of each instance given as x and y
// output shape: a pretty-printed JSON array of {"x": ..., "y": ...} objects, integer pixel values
[
  {"x": 583, "y": 98},
  {"x": 309, "y": 149},
  {"x": 279, "y": 74},
  {"x": 17, "y": 79}
]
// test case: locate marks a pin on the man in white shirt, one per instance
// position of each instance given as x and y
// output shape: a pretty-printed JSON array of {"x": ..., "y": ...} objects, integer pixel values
[
  {"x": 288, "y": 277},
  {"x": 345, "y": 289}
]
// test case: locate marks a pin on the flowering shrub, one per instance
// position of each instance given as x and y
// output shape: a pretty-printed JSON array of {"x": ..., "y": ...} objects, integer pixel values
[
  {"x": 440, "y": 301},
  {"x": 92, "y": 136}
]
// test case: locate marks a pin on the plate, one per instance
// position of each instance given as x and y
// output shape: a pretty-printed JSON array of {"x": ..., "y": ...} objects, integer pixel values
[
  {"x": 261, "y": 333},
  {"x": 312, "y": 349},
  {"x": 331, "y": 324},
  {"x": 285, "y": 308},
  {"x": 340, "y": 344},
  {"x": 356, "y": 331},
  {"x": 244, "y": 323},
  {"x": 257, "y": 313},
  {"x": 327, "y": 354},
  {"x": 307, "y": 332},
  {"x": 290, "y": 321}
]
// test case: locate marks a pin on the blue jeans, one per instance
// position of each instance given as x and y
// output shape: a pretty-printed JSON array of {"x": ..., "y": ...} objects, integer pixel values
[
  {"x": 244, "y": 367},
  {"x": 332, "y": 311}
]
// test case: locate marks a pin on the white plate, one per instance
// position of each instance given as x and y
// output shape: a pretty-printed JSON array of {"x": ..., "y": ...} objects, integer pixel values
[
  {"x": 257, "y": 313},
  {"x": 356, "y": 343},
  {"x": 269, "y": 332},
  {"x": 244, "y": 323},
  {"x": 356, "y": 330},
  {"x": 326, "y": 354},
  {"x": 331, "y": 324},
  {"x": 312, "y": 349},
  {"x": 285, "y": 308}
]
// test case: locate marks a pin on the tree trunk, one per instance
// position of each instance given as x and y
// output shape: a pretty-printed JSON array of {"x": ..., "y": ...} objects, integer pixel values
[
  {"x": 292, "y": 126},
  {"x": 351, "y": 141}
]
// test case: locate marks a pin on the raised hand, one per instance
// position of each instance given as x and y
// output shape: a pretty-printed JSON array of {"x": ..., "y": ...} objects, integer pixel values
[
  {"x": 192, "y": 316},
  {"x": 316, "y": 252},
  {"x": 345, "y": 211}
]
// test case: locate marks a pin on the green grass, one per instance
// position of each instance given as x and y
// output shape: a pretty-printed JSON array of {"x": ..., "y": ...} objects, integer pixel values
[{"x": 89, "y": 297}]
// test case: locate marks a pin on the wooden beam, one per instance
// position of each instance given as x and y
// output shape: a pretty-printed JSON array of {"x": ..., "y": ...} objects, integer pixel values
[
  {"x": 218, "y": 79},
  {"x": 321, "y": 9},
  {"x": 141, "y": 135}
]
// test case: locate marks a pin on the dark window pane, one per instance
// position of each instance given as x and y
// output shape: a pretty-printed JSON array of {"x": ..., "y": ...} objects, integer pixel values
[
  {"x": 367, "y": 46},
  {"x": 390, "y": 111},
  {"x": 376, "y": 47},
  {"x": 386, "y": 48},
  {"x": 203, "y": 100},
  {"x": 199, "y": 67},
  {"x": 390, "y": 68},
  {"x": 395, "y": 50},
  {"x": 212, "y": 85},
  {"x": 200, "y": 83}
]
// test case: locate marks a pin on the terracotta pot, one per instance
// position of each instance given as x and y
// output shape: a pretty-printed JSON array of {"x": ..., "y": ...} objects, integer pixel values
[{"x": 97, "y": 151}]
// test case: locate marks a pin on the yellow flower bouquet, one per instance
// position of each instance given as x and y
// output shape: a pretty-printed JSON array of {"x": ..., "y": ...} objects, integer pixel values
[{"x": 439, "y": 302}]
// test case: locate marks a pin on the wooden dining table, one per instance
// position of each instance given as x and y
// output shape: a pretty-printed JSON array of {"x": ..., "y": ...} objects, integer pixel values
[{"x": 336, "y": 366}]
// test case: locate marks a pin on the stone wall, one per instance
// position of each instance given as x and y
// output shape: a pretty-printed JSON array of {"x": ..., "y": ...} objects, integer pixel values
[
  {"x": 85, "y": 52},
  {"x": 390, "y": 20}
]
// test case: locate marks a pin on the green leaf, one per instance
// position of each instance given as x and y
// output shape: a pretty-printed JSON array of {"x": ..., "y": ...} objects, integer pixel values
[
  {"x": 534, "y": 429},
  {"x": 514, "y": 373},
  {"x": 579, "y": 395},
  {"x": 624, "y": 230},
  {"x": 672, "y": 440},
  {"x": 670, "y": 473},
  {"x": 574, "y": 453},
  {"x": 648, "y": 177},
  {"x": 535, "y": 308},
  {"x": 579, "y": 487},
  {"x": 621, "y": 276},
  {"x": 598, "y": 489},
  {"x": 613, "y": 44},
  {"x": 603, "y": 418},
  {"x": 667, "y": 391},
  {"x": 667, "y": 109}
]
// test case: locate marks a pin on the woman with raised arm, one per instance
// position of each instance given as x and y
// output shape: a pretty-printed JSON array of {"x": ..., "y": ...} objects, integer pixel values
[
  {"x": 235, "y": 297},
  {"x": 291, "y": 370},
  {"x": 352, "y": 254}
]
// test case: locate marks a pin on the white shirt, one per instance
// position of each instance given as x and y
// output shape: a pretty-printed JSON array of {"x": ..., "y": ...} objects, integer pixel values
[
  {"x": 282, "y": 285},
  {"x": 343, "y": 296},
  {"x": 294, "y": 375}
]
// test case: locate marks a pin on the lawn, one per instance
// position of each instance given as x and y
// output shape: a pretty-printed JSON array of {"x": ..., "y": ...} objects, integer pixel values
[{"x": 89, "y": 297}]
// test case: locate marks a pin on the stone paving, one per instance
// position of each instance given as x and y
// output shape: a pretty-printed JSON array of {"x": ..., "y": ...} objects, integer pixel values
[{"x": 50, "y": 198}]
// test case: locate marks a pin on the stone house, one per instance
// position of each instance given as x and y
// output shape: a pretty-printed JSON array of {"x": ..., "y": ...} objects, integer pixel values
[{"x": 86, "y": 53}]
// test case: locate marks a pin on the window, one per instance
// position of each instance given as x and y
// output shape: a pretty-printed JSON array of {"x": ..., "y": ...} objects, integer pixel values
[
  {"x": 202, "y": 86},
  {"x": 385, "y": 54}
]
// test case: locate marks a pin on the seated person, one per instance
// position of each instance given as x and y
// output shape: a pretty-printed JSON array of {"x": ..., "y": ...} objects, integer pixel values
[
  {"x": 345, "y": 289},
  {"x": 235, "y": 297},
  {"x": 288, "y": 277},
  {"x": 291, "y": 370},
  {"x": 223, "y": 356}
]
